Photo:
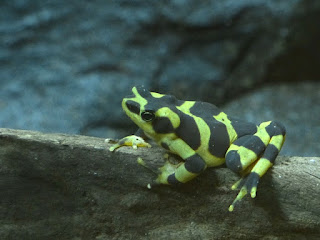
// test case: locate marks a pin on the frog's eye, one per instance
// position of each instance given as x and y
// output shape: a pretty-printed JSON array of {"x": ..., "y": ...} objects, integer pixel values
[{"x": 148, "y": 115}]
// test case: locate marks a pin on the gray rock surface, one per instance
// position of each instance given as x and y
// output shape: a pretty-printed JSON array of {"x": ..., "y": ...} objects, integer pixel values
[
  {"x": 296, "y": 106},
  {"x": 71, "y": 187},
  {"x": 65, "y": 65}
]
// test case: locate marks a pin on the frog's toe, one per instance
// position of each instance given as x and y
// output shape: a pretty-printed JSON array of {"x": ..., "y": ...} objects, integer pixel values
[
  {"x": 240, "y": 195},
  {"x": 237, "y": 184},
  {"x": 154, "y": 183},
  {"x": 114, "y": 147},
  {"x": 247, "y": 185},
  {"x": 141, "y": 162}
]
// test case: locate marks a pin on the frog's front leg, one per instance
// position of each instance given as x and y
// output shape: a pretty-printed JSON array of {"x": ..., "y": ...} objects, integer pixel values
[
  {"x": 136, "y": 140},
  {"x": 192, "y": 166},
  {"x": 253, "y": 155}
]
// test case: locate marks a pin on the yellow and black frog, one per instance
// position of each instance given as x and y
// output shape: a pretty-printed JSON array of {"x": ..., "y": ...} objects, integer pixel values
[{"x": 203, "y": 136}]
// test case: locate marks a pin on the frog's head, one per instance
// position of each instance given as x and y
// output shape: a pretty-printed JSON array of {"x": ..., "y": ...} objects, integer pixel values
[{"x": 153, "y": 112}]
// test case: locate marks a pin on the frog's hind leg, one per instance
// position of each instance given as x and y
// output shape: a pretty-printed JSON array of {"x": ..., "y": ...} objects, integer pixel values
[{"x": 244, "y": 156}]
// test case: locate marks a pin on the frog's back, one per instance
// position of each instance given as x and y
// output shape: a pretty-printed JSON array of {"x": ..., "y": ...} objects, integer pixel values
[{"x": 204, "y": 109}]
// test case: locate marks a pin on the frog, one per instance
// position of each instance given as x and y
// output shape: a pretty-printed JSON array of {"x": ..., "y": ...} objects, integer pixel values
[{"x": 202, "y": 136}]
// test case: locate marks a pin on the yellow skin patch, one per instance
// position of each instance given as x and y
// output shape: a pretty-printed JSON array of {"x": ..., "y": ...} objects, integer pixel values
[
  {"x": 262, "y": 166},
  {"x": 224, "y": 118},
  {"x": 168, "y": 113},
  {"x": 203, "y": 136}
]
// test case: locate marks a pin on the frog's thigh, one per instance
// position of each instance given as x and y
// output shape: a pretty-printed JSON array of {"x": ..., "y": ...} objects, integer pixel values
[
  {"x": 247, "y": 149},
  {"x": 243, "y": 152}
]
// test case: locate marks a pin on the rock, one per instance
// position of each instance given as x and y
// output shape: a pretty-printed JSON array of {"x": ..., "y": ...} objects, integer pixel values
[{"x": 56, "y": 186}]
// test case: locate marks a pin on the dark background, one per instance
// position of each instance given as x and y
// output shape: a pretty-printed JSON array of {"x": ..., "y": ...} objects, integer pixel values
[{"x": 66, "y": 65}]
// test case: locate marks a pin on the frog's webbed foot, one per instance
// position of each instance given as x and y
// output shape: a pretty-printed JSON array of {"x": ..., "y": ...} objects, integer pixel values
[
  {"x": 246, "y": 185},
  {"x": 162, "y": 173},
  {"x": 133, "y": 140}
]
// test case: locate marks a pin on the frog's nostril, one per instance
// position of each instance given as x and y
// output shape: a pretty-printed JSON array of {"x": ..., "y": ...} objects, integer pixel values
[{"x": 130, "y": 96}]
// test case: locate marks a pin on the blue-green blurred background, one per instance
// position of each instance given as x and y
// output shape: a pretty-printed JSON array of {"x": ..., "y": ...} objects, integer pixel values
[{"x": 66, "y": 65}]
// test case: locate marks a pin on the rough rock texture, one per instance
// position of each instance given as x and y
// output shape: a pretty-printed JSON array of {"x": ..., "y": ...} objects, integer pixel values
[
  {"x": 65, "y": 65},
  {"x": 57, "y": 186}
]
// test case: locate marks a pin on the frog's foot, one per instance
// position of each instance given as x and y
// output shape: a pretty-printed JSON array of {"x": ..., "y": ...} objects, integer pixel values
[
  {"x": 246, "y": 184},
  {"x": 144, "y": 164},
  {"x": 133, "y": 140},
  {"x": 165, "y": 171},
  {"x": 155, "y": 171}
]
